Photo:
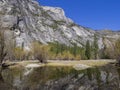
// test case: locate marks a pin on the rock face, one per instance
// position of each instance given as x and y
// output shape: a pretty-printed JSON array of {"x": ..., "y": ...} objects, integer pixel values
[{"x": 30, "y": 21}]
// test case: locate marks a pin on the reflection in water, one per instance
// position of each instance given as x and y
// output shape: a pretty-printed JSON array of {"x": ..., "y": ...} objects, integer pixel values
[
  {"x": 61, "y": 78},
  {"x": 3, "y": 84},
  {"x": 1, "y": 78},
  {"x": 118, "y": 72}
]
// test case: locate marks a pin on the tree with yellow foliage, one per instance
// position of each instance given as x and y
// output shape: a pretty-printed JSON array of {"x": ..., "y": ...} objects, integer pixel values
[
  {"x": 66, "y": 55},
  {"x": 40, "y": 52},
  {"x": 19, "y": 53}
]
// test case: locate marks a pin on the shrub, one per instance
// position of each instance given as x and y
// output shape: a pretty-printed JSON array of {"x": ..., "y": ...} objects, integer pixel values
[
  {"x": 67, "y": 55},
  {"x": 78, "y": 57},
  {"x": 19, "y": 53},
  {"x": 40, "y": 52}
]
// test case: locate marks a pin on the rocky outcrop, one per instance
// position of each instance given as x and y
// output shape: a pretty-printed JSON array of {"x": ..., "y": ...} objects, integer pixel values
[{"x": 29, "y": 21}]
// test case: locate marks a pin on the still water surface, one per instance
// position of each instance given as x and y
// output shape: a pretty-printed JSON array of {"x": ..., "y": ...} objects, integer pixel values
[{"x": 61, "y": 78}]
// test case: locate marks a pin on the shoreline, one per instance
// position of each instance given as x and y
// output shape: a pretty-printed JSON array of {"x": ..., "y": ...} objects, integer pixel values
[{"x": 54, "y": 63}]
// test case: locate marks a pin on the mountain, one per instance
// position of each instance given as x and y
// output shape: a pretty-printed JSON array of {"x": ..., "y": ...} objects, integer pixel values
[{"x": 29, "y": 21}]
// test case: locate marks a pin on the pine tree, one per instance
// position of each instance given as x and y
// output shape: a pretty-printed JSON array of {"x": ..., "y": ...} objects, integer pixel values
[
  {"x": 75, "y": 50},
  {"x": 88, "y": 50},
  {"x": 57, "y": 48},
  {"x": 95, "y": 47},
  {"x": 116, "y": 51}
]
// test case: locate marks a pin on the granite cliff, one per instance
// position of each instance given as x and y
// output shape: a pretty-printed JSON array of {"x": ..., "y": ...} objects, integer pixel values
[{"x": 29, "y": 21}]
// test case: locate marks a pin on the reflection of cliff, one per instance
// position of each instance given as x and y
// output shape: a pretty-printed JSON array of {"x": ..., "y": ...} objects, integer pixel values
[
  {"x": 61, "y": 78},
  {"x": 104, "y": 78}
]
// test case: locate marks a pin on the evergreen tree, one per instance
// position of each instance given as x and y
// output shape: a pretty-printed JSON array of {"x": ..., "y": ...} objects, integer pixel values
[
  {"x": 88, "y": 50},
  {"x": 117, "y": 51},
  {"x": 57, "y": 48},
  {"x": 95, "y": 47},
  {"x": 75, "y": 50}
]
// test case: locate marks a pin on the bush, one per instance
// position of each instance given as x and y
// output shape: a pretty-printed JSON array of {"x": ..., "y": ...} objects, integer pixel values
[
  {"x": 78, "y": 57},
  {"x": 40, "y": 52},
  {"x": 67, "y": 56},
  {"x": 19, "y": 53}
]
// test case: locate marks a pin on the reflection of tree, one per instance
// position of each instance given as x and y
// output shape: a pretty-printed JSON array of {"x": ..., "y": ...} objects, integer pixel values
[
  {"x": 3, "y": 85},
  {"x": 107, "y": 77},
  {"x": 1, "y": 78},
  {"x": 89, "y": 73},
  {"x": 118, "y": 70},
  {"x": 3, "y": 51}
]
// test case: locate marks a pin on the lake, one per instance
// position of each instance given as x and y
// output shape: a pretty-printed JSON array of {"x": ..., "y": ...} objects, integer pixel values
[{"x": 61, "y": 78}]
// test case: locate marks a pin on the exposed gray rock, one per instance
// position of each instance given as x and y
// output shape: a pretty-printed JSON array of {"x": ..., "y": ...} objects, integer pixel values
[{"x": 31, "y": 21}]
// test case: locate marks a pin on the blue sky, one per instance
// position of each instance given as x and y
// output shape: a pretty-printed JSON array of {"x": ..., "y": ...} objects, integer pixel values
[{"x": 96, "y": 14}]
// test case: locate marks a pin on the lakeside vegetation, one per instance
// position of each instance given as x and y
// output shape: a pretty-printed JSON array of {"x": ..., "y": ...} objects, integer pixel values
[
  {"x": 52, "y": 61},
  {"x": 56, "y": 51}
]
